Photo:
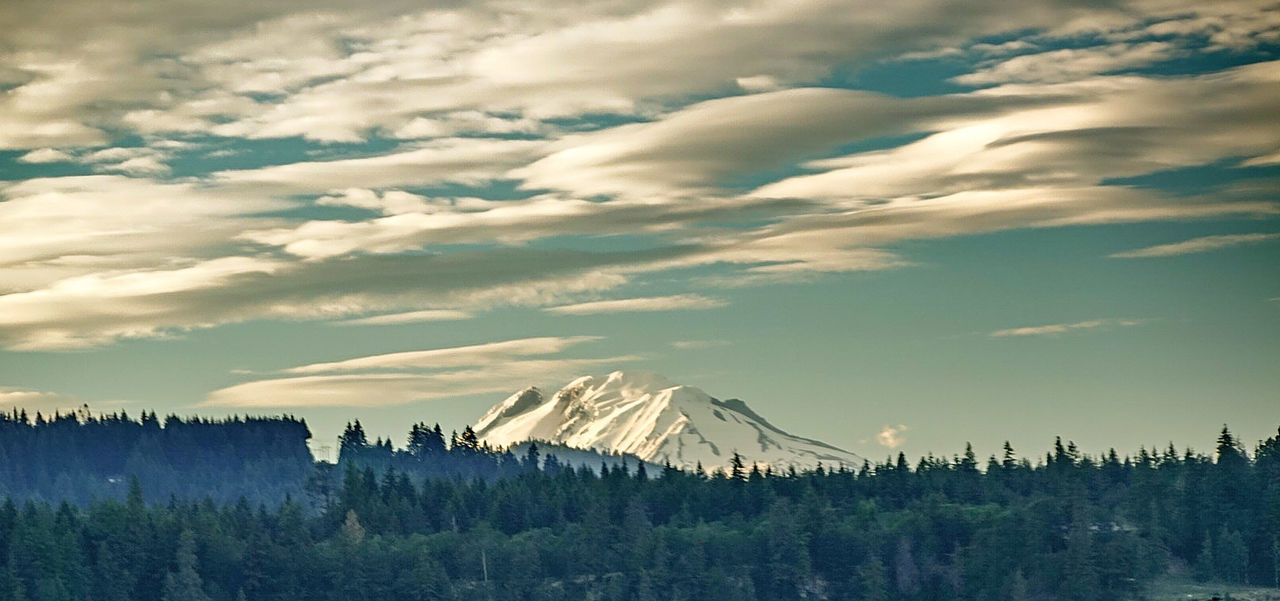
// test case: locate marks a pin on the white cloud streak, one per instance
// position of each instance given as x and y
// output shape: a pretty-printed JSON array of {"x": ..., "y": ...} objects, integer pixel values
[
  {"x": 449, "y": 357},
  {"x": 1195, "y": 245},
  {"x": 1064, "y": 328},
  {"x": 400, "y": 378},
  {"x": 427, "y": 315},
  {"x": 632, "y": 305}
]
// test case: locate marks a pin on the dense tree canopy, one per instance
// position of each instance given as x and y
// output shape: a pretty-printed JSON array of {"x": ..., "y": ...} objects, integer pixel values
[
  {"x": 79, "y": 457},
  {"x": 486, "y": 524}
]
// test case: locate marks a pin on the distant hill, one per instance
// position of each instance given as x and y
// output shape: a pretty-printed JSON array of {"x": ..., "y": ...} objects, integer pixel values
[{"x": 79, "y": 458}]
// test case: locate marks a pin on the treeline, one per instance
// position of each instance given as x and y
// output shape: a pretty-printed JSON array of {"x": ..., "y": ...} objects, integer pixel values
[
  {"x": 1068, "y": 526},
  {"x": 428, "y": 453},
  {"x": 78, "y": 457}
]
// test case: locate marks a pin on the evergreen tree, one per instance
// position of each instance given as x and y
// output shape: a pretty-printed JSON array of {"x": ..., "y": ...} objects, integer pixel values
[
  {"x": 1079, "y": 573},
  {"x": 1232, "y": 557},
  {"x": 875, "y": 585},
  {"x": 1206, "y": 567},
  {"x": 352, "y": 441},
  {"x": 531, "y": 460},
  {"x": 184, "y": 584},
  {"x": 1017, "y": 588},
  {"x": 738, "y": 471}
]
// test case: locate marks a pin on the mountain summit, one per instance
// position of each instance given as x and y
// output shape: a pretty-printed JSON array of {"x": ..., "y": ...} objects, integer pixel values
[{"x": 646, "y": 415}]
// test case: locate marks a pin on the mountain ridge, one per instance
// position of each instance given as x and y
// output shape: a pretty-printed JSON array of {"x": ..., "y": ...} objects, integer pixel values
[{"x": 644, "y": 414}]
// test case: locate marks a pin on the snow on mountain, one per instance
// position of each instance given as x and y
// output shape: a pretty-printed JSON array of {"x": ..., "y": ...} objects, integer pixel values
[{"x": 644, "y": 414}]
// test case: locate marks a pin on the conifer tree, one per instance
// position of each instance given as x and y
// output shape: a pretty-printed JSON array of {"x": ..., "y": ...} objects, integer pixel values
[
  {"x": 531, "y": 458},
  {"x": 184, "y": 584},
  {"x": 875, "y": 584},
  {"x": 1079, "y": 572},
  {"x": 1206, "y": 567}
]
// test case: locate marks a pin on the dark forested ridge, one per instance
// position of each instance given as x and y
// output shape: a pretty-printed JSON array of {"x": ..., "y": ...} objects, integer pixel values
[
  {"x": 452, "y": 519},
  {"x": 78, "y": 457}
]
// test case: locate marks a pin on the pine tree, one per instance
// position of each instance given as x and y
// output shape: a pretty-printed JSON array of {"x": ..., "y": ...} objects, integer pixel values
[
  {"x": 531, "y": 459},
  {"x": 1017, "y": 588},
  {"x": 1206, "y": 568},
  {"x": 469, "y": 441},
  {"x": 1009, "y": 459},
  {"x": 1079, "y": 573},
  {"x": 644, "y": 588},
  {"x": 417, "y": 444},
  {"x": 185, "y": 583},
  {"x": 1232, "y": 557},
  {"x": 352, "y": 531},
  {"x": 352, "y": 441},
  {"x": 875, "y": 585}
]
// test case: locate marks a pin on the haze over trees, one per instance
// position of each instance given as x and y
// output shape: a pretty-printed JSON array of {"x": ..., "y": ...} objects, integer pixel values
[
  {"x": 77, "y": 457},
  {"x": 447, "y": 518}
]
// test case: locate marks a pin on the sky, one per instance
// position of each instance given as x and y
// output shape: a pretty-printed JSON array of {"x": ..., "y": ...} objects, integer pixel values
[{"x": 891, "y": 226}]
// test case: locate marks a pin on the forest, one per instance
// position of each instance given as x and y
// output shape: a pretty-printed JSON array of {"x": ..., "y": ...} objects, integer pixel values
[{"x": 450, "y": 518}]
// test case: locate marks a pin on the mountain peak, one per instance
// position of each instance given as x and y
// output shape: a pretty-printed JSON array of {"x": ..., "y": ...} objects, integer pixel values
[{"x": 645, "y": 414}]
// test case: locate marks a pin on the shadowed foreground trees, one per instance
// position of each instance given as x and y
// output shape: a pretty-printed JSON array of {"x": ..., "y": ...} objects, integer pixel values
[{"x": 1067, "y": 527}]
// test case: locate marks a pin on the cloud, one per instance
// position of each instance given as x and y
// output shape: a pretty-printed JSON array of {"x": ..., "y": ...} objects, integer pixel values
[
  {"x": 699, "y": 147},
  {"x": 95, "y": 309},
  {"x": 628, "y": 305},
  {"x": 451, "y": 221},
  {"x": 450, "y": 160},
  {"x": 758, "y": 83},
  {"x": 729, "y": 158},
  {"x": 337, "y": 70},
  {"x": 1063, "y": 328},
  {"x": 1077, "y": 133},
  {"x": 32, "y": 399},
  {"x": 436, "y": 373},
  {"x": 459, "y": 356},
  {"x": 46, "y": 155},
  {"x": 891, "y": 436},
  {"x": 47, "y": 403},
  {"x": 1070, "y": 64},
  {"x": 52, "y": 228},
  {"x": 388, "y": 389},
  {"x": 1195, "y": 245},
  {"x": 563, "y": 62},
  {"x": 409, "y": 317},
  {"x": 1259, "y": 161},
  {"x": 698, "y": 344}
]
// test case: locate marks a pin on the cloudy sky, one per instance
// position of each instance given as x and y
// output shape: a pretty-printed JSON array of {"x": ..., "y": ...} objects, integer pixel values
[{"x": 887, "y": 225}]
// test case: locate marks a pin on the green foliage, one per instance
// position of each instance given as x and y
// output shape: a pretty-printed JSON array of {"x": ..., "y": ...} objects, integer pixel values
[
  {"x": 79, "y": 457},
  {"x": 184, "y": 583},
  {"x": 470, "y": 522}
]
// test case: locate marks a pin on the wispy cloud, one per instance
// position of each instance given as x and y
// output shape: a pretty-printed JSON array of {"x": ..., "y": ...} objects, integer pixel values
[
  {"x": 46, "y": 155},
  {"x": 387, "y": 389},
  {"x": 652, "y": 303},
  {"x": 399, "y": 378},
  {"x": 1063, "y": 328},
  {"x": 699, "y": 344},
  {"x": 48, "y": 402},
  {"x": 458, "y": 356},
  {"x": 1195, "y": 245},
  {"x": 891, "y": 436},
  {"x": 427, "y": 315},
  {"x": 1068, "y": 64},
  {"x": 480, "y": 107}
]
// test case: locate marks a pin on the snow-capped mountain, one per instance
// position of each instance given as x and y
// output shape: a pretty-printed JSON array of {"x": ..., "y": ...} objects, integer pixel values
[{"x": 644, "y": 414}]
